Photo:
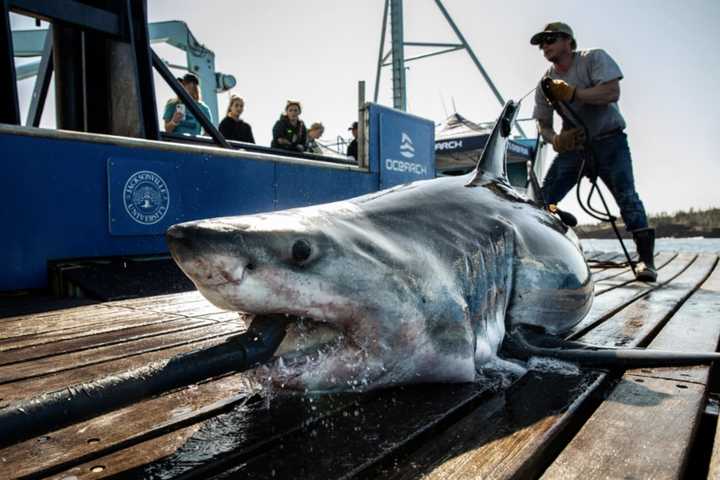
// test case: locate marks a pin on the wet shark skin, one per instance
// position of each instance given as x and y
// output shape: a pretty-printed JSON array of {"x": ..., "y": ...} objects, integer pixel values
[{"x": 423, "y": 280}]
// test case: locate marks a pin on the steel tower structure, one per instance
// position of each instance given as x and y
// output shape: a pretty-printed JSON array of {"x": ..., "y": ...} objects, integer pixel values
[{"x": 397, "y": 52}]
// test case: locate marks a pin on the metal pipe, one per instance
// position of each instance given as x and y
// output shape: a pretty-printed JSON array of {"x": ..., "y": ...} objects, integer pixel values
[
  {"x": 55, "y": 410},
  {"x": 475, "y": 60},
  {"x": 68, "y": 62},
  {"x": 42, "y": 84},
  {"x": 381, "y": 59},
  {"x": 432, "y": 54},
  {"x": 398, "y": 55}
]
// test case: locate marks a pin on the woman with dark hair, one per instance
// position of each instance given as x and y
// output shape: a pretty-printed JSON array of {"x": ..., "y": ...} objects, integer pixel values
[
  {"x": 289, "y": 132},
  {"x": 233, "y": 127}
]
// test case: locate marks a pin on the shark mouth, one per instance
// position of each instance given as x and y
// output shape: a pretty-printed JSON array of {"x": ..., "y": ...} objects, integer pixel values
[{"x": 313, "y": 355}]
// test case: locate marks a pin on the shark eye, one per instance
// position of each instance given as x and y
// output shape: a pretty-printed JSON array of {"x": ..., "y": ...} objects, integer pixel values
[{"x": 301, "y": 251}]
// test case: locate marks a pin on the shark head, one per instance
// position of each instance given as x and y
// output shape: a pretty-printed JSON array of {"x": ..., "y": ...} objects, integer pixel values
[{"x": 355, "y": 294}]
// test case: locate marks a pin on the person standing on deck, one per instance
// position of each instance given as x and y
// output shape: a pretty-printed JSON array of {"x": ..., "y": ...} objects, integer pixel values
[{"x": 589, "y": 82}]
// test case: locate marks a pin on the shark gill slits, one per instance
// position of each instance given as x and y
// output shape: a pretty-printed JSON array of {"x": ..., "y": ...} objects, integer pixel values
[{"x": 301, "y": 251}]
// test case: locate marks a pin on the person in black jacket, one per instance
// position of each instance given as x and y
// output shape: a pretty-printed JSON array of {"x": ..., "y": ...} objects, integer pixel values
[
  {"x": 233, "y": 127},
  {"x": 352, "y": 148},
  {"x": 289, "y": 132}
]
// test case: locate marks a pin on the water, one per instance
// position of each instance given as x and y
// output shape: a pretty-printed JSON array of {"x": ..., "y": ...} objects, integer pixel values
[{"x": 695, "y": 244}]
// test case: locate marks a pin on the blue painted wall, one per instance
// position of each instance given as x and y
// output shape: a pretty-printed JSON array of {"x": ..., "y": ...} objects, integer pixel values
[{"x": 69, "y": 198}]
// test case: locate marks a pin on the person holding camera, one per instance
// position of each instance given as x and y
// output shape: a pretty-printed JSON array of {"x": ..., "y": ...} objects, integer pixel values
[
  {"x": 178, "y": 118},
  {"x": 289, "y": 131}
]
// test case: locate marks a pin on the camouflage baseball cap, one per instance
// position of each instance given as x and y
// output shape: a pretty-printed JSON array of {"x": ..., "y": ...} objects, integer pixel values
[{"x": 554, "y": 27}]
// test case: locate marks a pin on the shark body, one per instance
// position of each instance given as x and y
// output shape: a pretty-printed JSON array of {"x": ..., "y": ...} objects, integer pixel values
[{"x": 418, "y": 283}]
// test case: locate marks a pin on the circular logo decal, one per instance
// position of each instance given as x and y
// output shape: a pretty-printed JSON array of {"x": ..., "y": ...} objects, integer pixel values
[{"x": 146, "y": 197}]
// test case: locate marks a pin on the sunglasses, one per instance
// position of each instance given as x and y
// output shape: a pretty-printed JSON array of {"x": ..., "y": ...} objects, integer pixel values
[{"x": 550, "y": 39}]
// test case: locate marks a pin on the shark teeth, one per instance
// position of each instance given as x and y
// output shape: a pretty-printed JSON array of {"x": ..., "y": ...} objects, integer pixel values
[{"x": 306, "y": 336}]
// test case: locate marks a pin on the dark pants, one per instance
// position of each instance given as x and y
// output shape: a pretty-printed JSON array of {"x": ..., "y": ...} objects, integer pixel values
[{"x": 614, "y": 167}]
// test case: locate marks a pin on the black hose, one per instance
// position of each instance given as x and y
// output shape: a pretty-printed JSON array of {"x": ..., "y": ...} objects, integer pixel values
[
  {"x": 55, "y": 410},
  {"x": 516, "y": 345}
]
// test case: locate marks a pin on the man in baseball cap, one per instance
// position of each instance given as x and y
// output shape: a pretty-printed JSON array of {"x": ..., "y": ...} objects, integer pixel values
[
  {"x": 553, "y": 29},
  {"x": 353, "y": 147},
  {"x": 588, "y": 83}
]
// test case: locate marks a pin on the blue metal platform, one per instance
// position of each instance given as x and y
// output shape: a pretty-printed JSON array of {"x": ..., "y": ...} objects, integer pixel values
[{"x": 80, "y": 195}]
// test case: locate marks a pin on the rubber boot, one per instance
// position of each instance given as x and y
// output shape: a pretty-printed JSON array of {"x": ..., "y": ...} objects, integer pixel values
[{"x": 645, "y": 242}]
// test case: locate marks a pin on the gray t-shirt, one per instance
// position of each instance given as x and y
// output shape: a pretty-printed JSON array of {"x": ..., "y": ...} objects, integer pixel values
[{"x": 588, "y": 69}]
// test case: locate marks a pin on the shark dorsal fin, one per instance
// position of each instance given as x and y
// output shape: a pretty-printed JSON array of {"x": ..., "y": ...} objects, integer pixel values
[{"x": 492, "y": 161}]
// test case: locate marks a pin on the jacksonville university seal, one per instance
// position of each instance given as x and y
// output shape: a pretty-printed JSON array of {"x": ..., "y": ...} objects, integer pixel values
[{"x": 146, "y": 197}]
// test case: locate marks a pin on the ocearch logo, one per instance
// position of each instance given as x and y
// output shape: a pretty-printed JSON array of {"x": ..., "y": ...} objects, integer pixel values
[
  {"x": 400, "y": 166},
  {"x": 407, "y": 149},
  {"x": 448, "y": 145}
]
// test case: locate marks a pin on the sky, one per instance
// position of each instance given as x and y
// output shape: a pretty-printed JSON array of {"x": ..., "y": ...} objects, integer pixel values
[{"x": 316, "y": 51}]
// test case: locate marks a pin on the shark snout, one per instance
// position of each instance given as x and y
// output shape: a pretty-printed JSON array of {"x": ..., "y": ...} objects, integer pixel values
[
  {"x": 206, "y": 255},
  {"x": 183, "y": 240}
]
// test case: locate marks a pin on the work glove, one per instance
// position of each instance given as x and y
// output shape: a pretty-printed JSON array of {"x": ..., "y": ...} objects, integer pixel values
[
  {"x": 569, "y": 140},
  {"x": 561, "y": 91}
]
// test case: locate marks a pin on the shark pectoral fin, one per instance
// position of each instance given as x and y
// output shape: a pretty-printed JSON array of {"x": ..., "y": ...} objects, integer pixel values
[{"x": 520, "y": 344}]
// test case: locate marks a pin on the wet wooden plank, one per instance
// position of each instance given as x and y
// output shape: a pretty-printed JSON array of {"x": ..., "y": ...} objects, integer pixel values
[
  {"x": 606, "y": 274},
  {"x": 264, "y": 442},
  {"x": 592, "y": 254},
  {"x": 224, "y": 316},
  {"x": 642, "y": 430},
  {"x": 66, "y": 361},
  {"x": 66, "y": 320},
  {"x": 647, "y": 313},
  {"x": 167, "y": 299},
  {"x": 714, "y": 469},
  {"x": 187, "y": 304},
  {"x": 602, "y": 257},
  {"x": 125, "y": 427},
  {"x": 663, "y": 261},
  {"x": 693, "y": 328},
  {"x": 503, "y": 438},
  {"x": 611, "y": 302},
  {"x": 125, "y": 321},
  {"x": 253, "y": 428},
  {"x": 94, "y": 340},
  {"x": 19, "y": 390},
  {"x": 117, "y": 465}
]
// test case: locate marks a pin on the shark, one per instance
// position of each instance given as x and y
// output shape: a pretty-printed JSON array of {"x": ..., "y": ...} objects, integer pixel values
[{"x": 421, "y": 282}]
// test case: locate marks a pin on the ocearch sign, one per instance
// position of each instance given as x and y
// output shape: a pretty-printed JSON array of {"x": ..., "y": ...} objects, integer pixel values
[{"x": 407, "y": 148}]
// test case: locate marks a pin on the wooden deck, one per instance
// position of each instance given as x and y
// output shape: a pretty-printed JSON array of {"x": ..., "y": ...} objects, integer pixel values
[{"x": 552, "y": 423}]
